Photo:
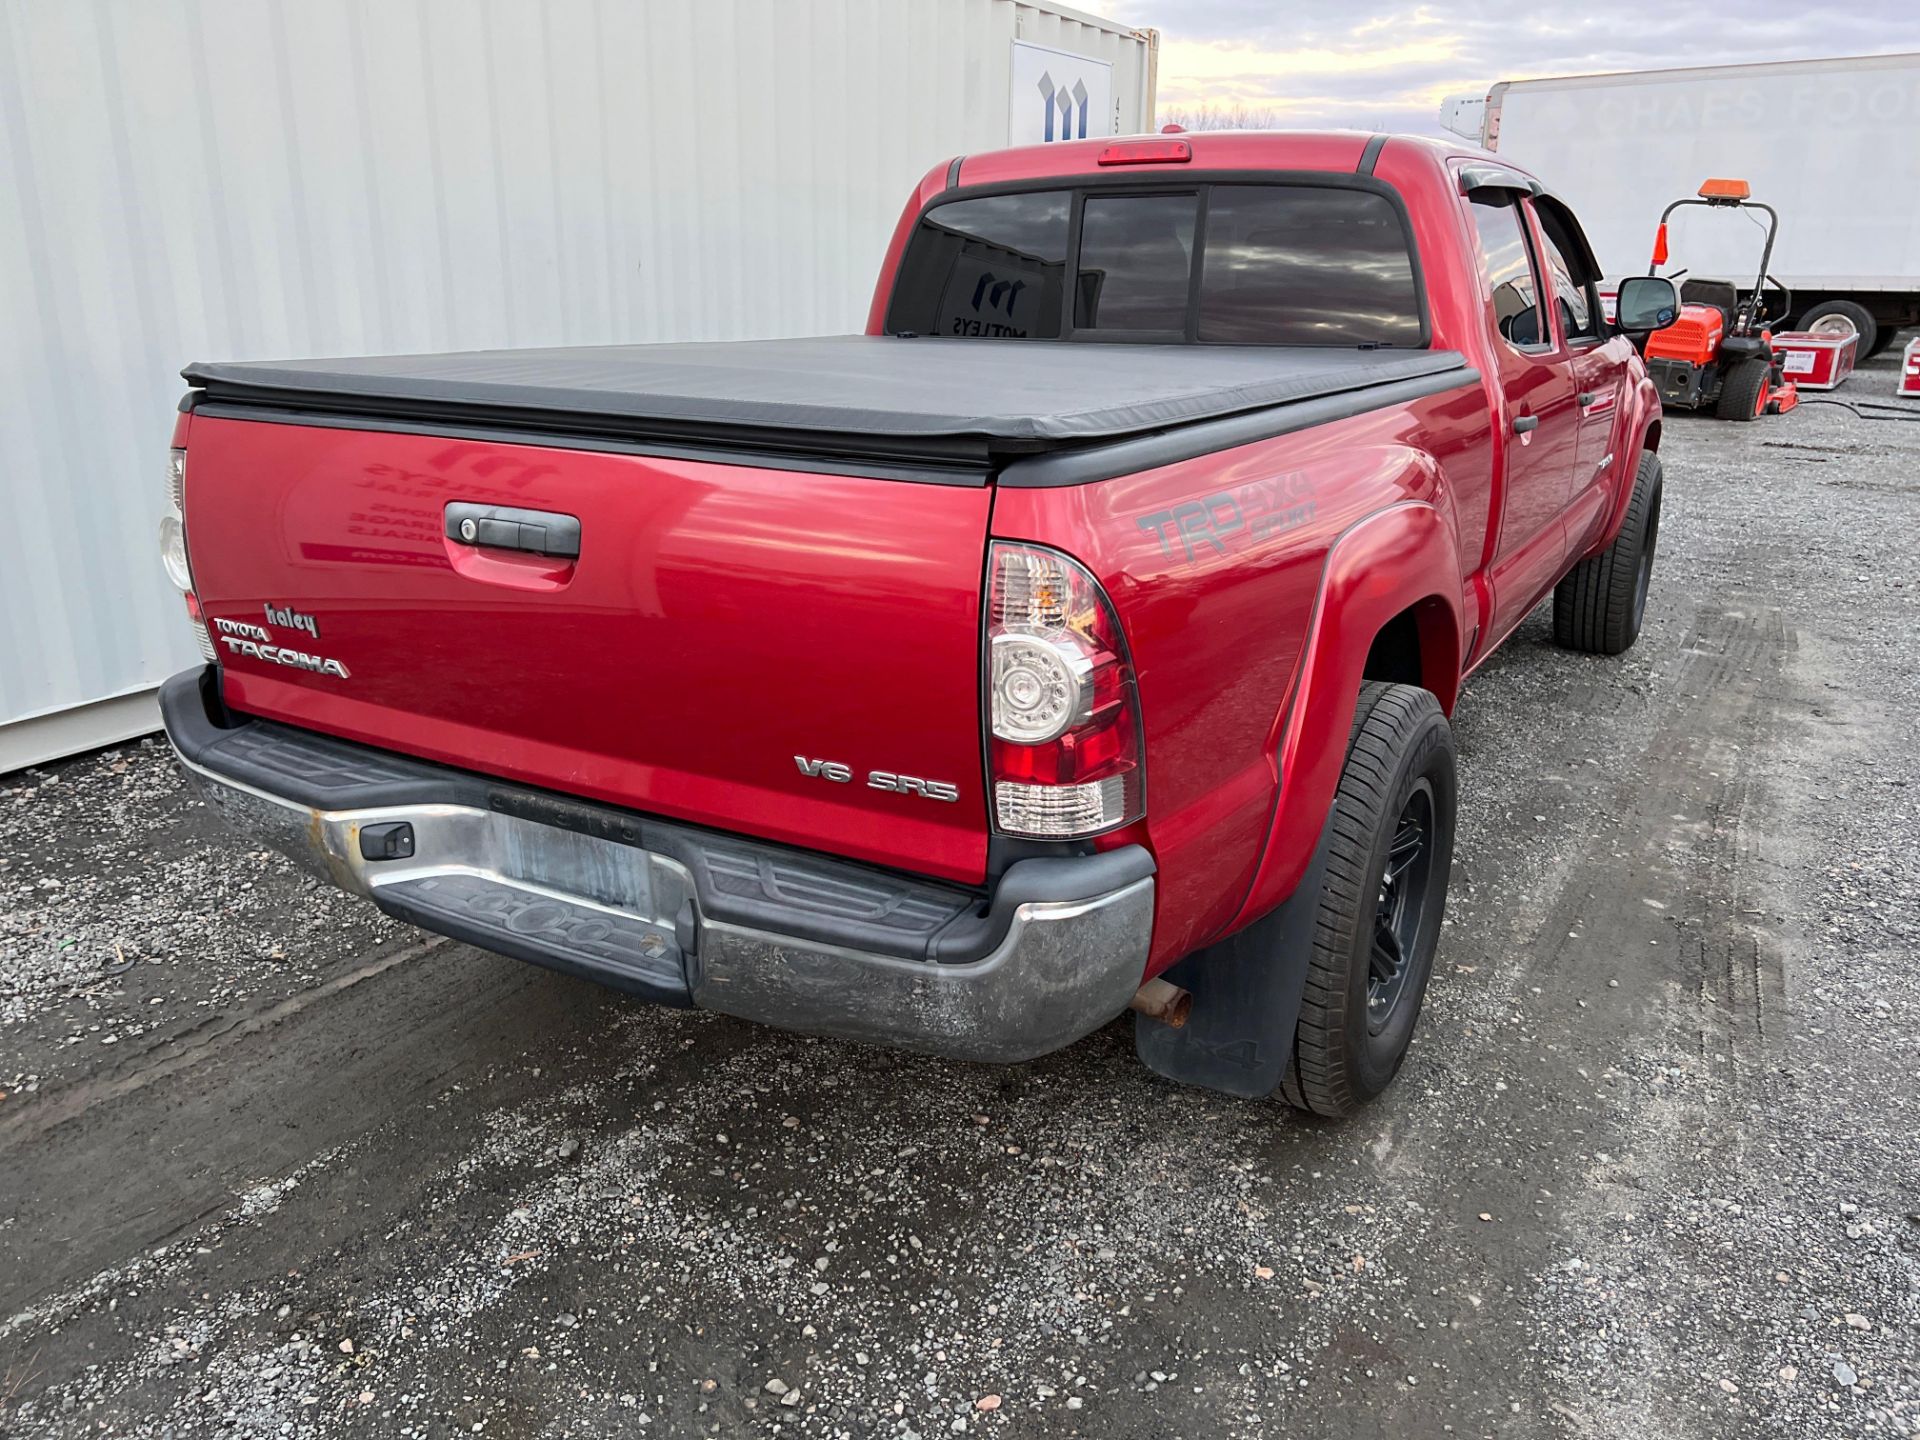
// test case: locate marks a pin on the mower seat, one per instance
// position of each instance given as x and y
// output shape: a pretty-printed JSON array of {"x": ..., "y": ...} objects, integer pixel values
[{"x": 1722, "y": 295}]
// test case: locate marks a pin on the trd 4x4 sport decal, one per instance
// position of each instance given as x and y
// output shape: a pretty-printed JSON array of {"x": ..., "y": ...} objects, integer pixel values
[{"x": 1245, "y": 516}]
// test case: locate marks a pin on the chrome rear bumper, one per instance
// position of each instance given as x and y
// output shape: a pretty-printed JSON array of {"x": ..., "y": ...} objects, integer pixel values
[{"x": 687, "y": 917}]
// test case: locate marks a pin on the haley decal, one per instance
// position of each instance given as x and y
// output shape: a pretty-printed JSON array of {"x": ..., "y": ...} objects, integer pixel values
[{"x": 291, "y": 618}]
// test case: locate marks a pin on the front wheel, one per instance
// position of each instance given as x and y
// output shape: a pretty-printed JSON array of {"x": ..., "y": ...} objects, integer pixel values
[
  {"x": 1377, "y": 924},
  {"x": 1600, "y": 604}
]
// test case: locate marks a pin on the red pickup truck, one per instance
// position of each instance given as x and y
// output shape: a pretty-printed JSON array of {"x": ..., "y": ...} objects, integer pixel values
[{"x": 1082, "y": 635}]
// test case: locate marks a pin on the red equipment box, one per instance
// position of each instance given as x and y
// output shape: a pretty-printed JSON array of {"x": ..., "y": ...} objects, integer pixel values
[
  {"x": 1815, "y": 360},
  {"x": 1910, "y": 371}
]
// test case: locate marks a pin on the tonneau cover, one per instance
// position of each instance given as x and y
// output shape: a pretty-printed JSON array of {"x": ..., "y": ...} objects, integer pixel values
[{"x": 1010, "y": 396}]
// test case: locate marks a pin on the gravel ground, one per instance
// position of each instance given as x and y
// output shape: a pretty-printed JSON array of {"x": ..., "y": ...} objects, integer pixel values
[{"x": 275, "y": 1165}]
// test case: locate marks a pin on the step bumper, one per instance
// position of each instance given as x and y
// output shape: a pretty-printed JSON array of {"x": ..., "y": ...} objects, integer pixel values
[{"x": 680, "y": 915}]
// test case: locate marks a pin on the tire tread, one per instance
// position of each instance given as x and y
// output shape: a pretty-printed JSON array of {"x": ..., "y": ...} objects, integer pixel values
[
  {"x": 1593, "y": 604},
  {"x": 1386, "y": 721},
  {"x": 1740, "y": 392}
]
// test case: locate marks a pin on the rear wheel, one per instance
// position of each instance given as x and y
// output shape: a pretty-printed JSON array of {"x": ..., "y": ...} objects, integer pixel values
[
  {"x": 1744, "y": 393},
  {"x": 1843, "y": 317},
  {"x": 1600, "y": 604},
  {"x": 1389, "y": 851}
]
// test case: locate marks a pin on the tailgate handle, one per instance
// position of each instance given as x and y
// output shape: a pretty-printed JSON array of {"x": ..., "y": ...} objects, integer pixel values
[{"x": 500, "y": 527}]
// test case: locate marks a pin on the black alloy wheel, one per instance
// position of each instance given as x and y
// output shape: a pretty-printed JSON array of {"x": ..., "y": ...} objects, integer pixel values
[{"x": 1405, "y": 891}]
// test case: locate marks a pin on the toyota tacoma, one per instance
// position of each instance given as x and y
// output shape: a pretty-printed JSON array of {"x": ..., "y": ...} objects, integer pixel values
[{"x": 1081, "y": 636}]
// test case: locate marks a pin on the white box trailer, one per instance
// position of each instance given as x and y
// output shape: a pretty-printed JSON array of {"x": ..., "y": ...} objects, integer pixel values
[
  {"x": 225, "y": 179},
  {"x": 1833, "y": 145}
]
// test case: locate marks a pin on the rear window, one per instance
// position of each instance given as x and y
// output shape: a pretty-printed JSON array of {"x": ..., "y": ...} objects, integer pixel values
[
  {"x": 1136, "y": 262},
  {"x": 1222, "y": 264},
  {"x": 1295, "y": 265},
  {"x": 990, "y": 268}
]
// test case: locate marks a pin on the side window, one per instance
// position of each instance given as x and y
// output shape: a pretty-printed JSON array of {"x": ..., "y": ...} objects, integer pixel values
[
  {"x": 1578, "y": 314},
  {"x": 1507, "y": 260}
]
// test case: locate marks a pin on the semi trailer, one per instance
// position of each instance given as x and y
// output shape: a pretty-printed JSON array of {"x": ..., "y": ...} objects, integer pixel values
[{"x": 1833, "y": 144}]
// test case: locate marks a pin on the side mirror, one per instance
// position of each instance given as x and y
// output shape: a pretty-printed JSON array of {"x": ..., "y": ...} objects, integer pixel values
[{"x": 1646, "y": 303}]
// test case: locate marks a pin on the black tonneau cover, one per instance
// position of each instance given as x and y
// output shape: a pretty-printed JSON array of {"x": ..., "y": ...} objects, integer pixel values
[{"x": 952, "y": 402}]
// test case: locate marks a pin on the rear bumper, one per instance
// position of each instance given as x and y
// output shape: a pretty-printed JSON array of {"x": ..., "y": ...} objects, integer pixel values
[{"x": 684, "y": 916}]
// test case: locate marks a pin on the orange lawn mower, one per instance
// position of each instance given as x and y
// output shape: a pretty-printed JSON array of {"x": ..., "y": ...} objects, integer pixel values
[{"x": 1719, "y": 354}]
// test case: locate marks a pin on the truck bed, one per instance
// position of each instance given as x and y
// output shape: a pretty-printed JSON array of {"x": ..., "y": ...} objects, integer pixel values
[{"x": 962, "y": 405}]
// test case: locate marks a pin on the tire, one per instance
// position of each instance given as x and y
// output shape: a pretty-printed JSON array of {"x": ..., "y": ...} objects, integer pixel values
[
  {"x": 1598, "y": 607},
  {"x": 1889, "y": 337},
  {"x": 1356, "y": 1023},
  {"x": 1858, "y": 316},
  {"x": 1743, "y": 394}
]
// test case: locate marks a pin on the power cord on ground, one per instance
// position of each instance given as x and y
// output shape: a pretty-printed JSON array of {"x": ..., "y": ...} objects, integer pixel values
[{"x": 1910, "y": 413}]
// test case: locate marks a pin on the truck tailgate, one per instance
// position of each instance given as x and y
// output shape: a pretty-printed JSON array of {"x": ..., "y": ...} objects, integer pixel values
[{"x": 727, "y": 635}]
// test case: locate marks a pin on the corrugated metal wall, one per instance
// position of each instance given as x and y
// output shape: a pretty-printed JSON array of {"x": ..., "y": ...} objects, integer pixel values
[{"x": 190, "y": 179}]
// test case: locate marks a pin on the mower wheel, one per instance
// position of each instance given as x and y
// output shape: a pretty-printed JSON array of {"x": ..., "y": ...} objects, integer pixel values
[
  {"x": 1743, "y": 394},
  {"x": 1837, "y": 317}
]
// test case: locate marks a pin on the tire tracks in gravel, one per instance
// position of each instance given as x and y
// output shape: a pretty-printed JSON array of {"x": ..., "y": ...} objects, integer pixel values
[
  {"x": 1693, "y": 941},
  {"x": 106, "y": 1168}
]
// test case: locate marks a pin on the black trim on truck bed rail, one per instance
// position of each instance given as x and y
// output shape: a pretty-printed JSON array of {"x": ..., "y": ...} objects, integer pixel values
[{"x": 1127, "y": 457}]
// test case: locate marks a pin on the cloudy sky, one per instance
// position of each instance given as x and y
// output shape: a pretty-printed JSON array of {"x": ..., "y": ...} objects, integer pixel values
[{"x": 1384, "y": 65}]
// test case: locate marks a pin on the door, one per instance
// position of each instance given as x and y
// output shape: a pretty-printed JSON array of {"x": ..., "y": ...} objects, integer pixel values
[
  {"x": 1598, "y": 361},
  {"x": 1539, "y": 425}
]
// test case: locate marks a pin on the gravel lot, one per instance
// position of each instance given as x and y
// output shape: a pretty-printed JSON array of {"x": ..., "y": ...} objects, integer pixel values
[{"x": 275, "y": 1165}]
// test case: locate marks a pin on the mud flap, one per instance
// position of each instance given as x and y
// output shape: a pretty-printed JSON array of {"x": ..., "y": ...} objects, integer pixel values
[{"x": 1246, "y": 999}]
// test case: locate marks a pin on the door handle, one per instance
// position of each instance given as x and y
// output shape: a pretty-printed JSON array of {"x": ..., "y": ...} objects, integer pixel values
[
  {"x": 1587, "y": 397},
  {"x": 501, "y": 527},
  {"x": 1523, "y": 423}
]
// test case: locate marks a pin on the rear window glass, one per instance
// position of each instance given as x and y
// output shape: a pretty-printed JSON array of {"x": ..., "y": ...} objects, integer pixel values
[
  {"x": 1278, "y": 265},
  {"x": 1300, "y": 265},
  {"x": 1136, "y": 262},
  {"x": 989, "y": 268}
]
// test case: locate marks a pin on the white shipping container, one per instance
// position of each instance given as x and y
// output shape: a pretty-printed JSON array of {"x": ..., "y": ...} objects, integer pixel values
[
  {"x": 1833, "y": 145},
  {"x": 230, "y": 179}
]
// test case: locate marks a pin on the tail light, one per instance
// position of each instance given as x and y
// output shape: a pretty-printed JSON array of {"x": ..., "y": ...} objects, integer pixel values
[
  {"x": 173, "y": 547},
  {"x": 1064, "y": 717}
]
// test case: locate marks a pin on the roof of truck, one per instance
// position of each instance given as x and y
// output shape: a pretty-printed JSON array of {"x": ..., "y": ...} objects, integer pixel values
[{"x": 1246, "y": 154}]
